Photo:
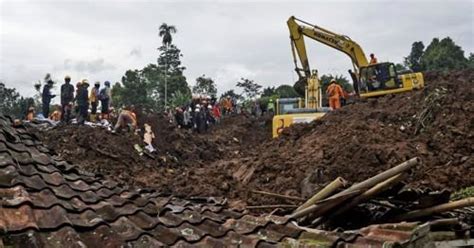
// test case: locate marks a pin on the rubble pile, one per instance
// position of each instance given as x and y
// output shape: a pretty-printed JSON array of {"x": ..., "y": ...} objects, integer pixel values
[{"x": 237, "y": 157}]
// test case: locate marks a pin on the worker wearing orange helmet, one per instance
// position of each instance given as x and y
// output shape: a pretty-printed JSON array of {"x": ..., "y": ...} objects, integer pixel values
[{"x": 334, "y": 93}]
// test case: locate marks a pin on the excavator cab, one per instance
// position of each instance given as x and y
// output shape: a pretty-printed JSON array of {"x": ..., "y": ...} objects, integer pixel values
[
  {"x": 383, "y": 78},
  {"x": 378, "y": 77}
]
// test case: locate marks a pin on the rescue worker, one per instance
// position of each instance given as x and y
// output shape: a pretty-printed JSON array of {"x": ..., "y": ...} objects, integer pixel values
[
  {"x": 56, "y": 115},
  {"x": 271, "y": 107},
  {"x": 47, "y": 96},
  {"x": 216, "y": 112},
  {"x": 30, "y": 115},
  {"x": 67, "y": 97},
  {"x": 334, "y": 93},
  {"x": 179, "y": 117},
  {"x": 83, "y": 101},
  {"x": 126, "y": 119},
  {"x": 227, "y": 105},
  {"x": 373, "y": 59},
  {"x": 105, "y": 97},
  {"x": 94, "y": 100}
]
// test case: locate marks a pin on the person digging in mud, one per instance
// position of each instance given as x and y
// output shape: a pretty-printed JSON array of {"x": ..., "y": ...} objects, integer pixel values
[
  {"x": 67, "y": 97},
  {"x": 179, "y": 117},
  {"x": 126, "y": 119}
]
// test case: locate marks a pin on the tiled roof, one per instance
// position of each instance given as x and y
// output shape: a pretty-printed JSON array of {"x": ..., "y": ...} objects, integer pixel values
[{"x": 47, "y": 202}]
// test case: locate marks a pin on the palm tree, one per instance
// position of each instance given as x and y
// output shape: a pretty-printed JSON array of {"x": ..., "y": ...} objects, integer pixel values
[{"x": 165, "y": 32}]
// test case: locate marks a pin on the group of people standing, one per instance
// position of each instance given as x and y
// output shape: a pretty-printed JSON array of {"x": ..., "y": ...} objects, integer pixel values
[
  {"x": 75, "y": 101},
  {"x": 200, "y": 113}
]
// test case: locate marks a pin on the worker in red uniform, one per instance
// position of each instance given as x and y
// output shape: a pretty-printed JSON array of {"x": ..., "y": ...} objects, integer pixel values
[
  {"x": 373, "y": 59},
  {"x": 334, "y": 93}
]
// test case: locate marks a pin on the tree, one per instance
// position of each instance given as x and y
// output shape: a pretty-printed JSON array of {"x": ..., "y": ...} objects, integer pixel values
[
  {"x": 268, "y": 91},
  {"x": 179, "y": 99},
  {"x": 250, "y": 89},
  {"x": 286, "y": 91},
  {"x": 343, "y": 81},
  {"x": 413, "y": 61},
  {"x": 471, "y": 60},
  {"x": 12, "y": 103},
  {"x": 205, "y": 86},
  {"x": 165, "y": 32},
  {"x": 400, "y": 67},
  {"x": 443, "y": 55},
  {"x": 232, "y": 94}
]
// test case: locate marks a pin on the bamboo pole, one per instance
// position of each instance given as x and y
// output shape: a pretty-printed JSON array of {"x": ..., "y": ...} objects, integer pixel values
[
  {"x": 466, "y": 202},
  {"x": 325, "y": 192},
  {"x": 323, "y": 206},
  {"x": 272, "y": 206},
  {"x": 386, "y": 174},
  {"x": 357, "y": 188},
  {"x": 278, "y": 195},
  {"x": 370, "y": 193}
]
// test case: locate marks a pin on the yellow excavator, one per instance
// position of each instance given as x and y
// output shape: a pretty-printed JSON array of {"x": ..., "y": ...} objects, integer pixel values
[{"x": 369, "y": 80}]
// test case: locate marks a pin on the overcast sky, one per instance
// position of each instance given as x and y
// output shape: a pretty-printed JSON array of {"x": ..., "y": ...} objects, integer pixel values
[{"x": 226, "y": 40}]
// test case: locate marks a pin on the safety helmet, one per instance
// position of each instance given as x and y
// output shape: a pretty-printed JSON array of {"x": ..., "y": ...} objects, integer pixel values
[
  {"x": 209, "y": 106},
  {"x": 85, "y": 81},
  {"x": 67, "y": 77},
  {"x": 198, "y": 106},
  {"x": 31, "y": 109},
  {"x": 197, "y": 110},
  {"x": 333, "y": 80}
]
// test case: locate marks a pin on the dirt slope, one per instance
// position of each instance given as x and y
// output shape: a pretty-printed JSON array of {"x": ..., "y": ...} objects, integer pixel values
[{"x": 355, "y": 142}]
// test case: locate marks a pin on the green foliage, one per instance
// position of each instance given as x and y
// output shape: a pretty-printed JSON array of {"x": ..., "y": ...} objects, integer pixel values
[
  {"x": 146, "y": 87},
  {"x": 205, "y": 85},
  {"x": 179, "y": 99},
  {"x": 400, "y": 67},
  {"x": 413, "y": 61},
  {"x": 165, "y": 32},
  {"x": 232, "y": 95},
  {"x": 463, "y": 193},
  {"x": 471, "y": 60},
  {"x": 268, "y": 91},
  {"x": 286, "y": 91},
  {"x": 249, "y": 87},
  {"x": 443, "y": 55},
  {"x": 12, "y": 103}
]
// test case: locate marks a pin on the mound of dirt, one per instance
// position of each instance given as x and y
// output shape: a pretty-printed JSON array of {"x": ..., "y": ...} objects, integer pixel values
[
  {"x": 363, "y": 139},
  {"x": 179, "y": 151},
  {"x": 355, "y": 142}
]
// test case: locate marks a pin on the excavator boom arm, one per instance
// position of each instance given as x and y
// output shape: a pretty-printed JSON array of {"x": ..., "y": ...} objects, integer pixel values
[{"x": 339, "y": 42}]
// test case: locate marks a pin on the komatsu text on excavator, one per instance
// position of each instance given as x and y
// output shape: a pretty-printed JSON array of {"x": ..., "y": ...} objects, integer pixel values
[{"x": 370, "y": 80}]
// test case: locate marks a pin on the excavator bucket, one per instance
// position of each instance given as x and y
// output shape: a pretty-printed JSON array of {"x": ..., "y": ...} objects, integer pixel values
[{"x": 300, "y": 86}]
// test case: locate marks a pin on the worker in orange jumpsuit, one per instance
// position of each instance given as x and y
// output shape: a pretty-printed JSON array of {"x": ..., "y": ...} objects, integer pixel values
[
  {"x": 373, "y": 59},
  {"x": 334, "y": 93}
]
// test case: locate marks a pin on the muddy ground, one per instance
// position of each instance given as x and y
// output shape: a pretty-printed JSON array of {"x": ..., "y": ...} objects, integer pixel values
[{"x": 355, "y": 142}]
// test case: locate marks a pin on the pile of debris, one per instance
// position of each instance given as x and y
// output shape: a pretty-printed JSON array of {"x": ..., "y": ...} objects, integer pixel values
[
  {"x": 435, "y": 124},
  {"x": 179, "y": 151}
]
